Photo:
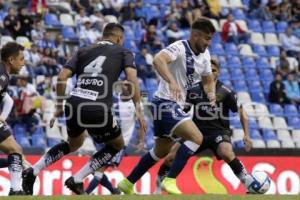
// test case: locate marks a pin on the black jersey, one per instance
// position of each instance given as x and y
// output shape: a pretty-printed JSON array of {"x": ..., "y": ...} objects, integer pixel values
[
  {"x": 4, "y": 80},
  {"x": 97, "y": 68},
  {"x": 208, "y": 118}
]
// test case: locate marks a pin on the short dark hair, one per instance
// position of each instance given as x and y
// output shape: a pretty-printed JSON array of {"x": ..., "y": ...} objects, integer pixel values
[
  {"x": 10, "y": 49},
  {"x": 203, "y": 24},
  {"x": 111, "y": 29}
]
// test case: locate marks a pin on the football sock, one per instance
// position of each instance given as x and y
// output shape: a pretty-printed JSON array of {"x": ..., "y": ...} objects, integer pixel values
[
  {"x": 15, "y": 169},
  {"x": 53, "y": 155},
  {"x": 238, "y": 169}
]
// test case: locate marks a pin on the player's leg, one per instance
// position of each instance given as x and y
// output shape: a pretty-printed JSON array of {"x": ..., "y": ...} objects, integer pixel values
[
  {"x": 53, "y": 155},
  {"x": 97, "y": 161},
  {"x": 14, "y": 159},
  {"x": 225, "y": 151},
  {"x": 165, "y": 167},
  {"x": 160, "y": 150},
  {"x": 189, "y": 132}
]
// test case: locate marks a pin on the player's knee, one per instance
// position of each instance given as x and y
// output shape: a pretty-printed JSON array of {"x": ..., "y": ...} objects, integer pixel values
[
  {"x": 75, "y": 144},
  {"x": 198, "y": 139},
  {"x": 226, "y": 153}
]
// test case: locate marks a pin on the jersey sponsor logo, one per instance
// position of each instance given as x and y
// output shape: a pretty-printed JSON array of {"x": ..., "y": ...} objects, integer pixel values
[
  {"x": 90, "y": 81},
  {"x": 85, "y": 94},
  {"x": 219, "y": 139}
]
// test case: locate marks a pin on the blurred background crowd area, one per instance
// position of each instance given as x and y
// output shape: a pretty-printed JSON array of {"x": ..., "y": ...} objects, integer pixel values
[{"x": 257, "y": 44}]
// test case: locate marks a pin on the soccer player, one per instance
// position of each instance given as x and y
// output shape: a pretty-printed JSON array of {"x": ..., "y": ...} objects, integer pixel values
[
  {"x": 12, "y": 60},
  {"x": 180, "y": 65},
  {"x": 123, "y": 109},
  {"x": 213, "y": 122},
  {"x": 97, "y": 68}
]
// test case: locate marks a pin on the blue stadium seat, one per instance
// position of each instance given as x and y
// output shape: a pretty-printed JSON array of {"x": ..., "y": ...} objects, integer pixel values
[
  {"x": 240, "y": 86},
  {"x": 2, "y": 15},
  {"x": 281, "y": 26},
  {"x": 266, "y": 85},
  {"x": 238, "y": 14},
  {"x": 266, "y": 75},
  {"x": 252, "y": 123},
  {"x": 255, "y": 134},
  {"x": 237, "y": 74},
  {"x": 130, "y": 44},
  {"x": 268, "y": 27},
  {"x": 166, "y": 2},
  {"x": 52, "y": 142},
  {"x": 290, "y": 110},
  {"x": 142, "y": 85},
  {"x": 129, "y": 34},
  {"x": 231, "y": 49},
  {"x": 255, "y": 86},
  {"x": 294, "y": 122},
  {"x": 254, "y": 26},
  {"x": 235, "y": 122},
  {"x": 217, "y": 49},
  {"x": 273, "y": 51},
  {"x": 234, "y": 62},
  {"x": 216, "y": 39},
  {"x": 224, "y": 74},
  {"x": 150, "y": 1},
  {"x": 19, "y": 130},
  {"x": 23, "y": 141},
  {"x": 151, "y": 83},
  {"x": 224, "y": 11},
  {"x": 51, "y": 20},
  {"x": 38, "y": 141},
  {"x": 239, "y": 144},
  {"x": 222, "y": 61},
  {"x": 258, "y": 97},
  {"x": 152, "y": 12},
  {"x": 227, "y": 83},
  {"x": 259, "y": 50},
  {"x": 269, "y": 135},
  {"x": 68, "y": 33},
  {"x": 276, "y": 109},
  {"x": 251, "y": 74},
  {"x": 262, "y": 62},
  {"x": 248, "y": 62}
]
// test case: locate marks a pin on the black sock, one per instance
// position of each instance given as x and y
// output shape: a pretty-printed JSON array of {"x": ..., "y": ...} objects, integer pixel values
[
  {"x": 182, "y": 156},
  {"x": 146, "y": 162},
  {"x": 106, "y": 183},
  {"x": 53, "y": 155},
  {"x": 3, "y": 162},
  {"x": 238, "y": 169},
  {"x": 163, "y": 171},
  {"x": 102, "y": 157}
]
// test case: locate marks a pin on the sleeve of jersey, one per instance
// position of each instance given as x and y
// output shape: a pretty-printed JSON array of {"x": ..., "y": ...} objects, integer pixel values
[
  {"x": 207, "y": 70},
  {"x": 233, "y": 102},
  {"x": 173, "y": 50},
  {"x": 72, "y": 63},
  {"x": 128, "y": 60}
]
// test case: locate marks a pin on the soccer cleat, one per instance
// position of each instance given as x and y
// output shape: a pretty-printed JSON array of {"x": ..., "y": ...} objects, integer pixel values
[
  {"x": 28, "y": 181},
  {"x": 77, "y": 188},
  {"x": 169, "y": 185},
  {"x": 116, "y": 191},
  {"x": 126, "y": 186},
  {"x": 16, "y": 193}
]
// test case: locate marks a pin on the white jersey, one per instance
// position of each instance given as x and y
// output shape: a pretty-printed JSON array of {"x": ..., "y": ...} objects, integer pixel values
[
  {"x": 125, "y": 113},
  {"x": 186, "y": 67}
]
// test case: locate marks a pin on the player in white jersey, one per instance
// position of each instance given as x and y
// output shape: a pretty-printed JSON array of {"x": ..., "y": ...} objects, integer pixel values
[
  {"x": 180, "y": 65},
  {"x": 124, "y": 113}
]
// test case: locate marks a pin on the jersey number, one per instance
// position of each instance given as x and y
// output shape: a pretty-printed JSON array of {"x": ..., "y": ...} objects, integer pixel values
[{"x": 95, "y": 67}]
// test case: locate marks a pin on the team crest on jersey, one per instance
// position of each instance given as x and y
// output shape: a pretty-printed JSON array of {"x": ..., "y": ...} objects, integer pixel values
[
  {"x": 219, "y": 139},
  {"x": 219, "y": 97}
]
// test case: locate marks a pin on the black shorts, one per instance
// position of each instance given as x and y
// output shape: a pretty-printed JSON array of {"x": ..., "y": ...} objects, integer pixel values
[
  {"x": 5, "y": 132},
  {"x": 102, "y": 127},
  {"x": 212, "y": 140}
]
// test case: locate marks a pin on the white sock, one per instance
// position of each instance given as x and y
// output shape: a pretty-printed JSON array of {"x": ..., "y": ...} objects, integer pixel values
[
  {"x": 83, "y": 172},
  {"x": 242, "y": 176},
  {"x": 15, "y": 169},
  {"x": 40, "y": 165}
]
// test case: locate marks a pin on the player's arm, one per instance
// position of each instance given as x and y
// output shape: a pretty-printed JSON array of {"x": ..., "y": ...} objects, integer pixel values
[
  {"x": 8, "y": 103},
  {"x": 244, "y": 122},
  {"x": 160, "y": 63},
  {"x": 209, "y": 88}
]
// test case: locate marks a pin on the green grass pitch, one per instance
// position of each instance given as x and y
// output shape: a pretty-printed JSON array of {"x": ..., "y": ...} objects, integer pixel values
[{"x": 159, "y": 197}]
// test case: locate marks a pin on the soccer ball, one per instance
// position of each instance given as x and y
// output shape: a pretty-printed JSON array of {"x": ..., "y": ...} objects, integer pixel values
[{"x": 258, "y": 182}]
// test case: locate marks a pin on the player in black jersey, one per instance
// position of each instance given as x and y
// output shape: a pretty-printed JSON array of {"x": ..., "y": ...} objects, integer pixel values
[
  {"x": 88, "y": 108},
  {"x": 213, "y": 122},
  {"x": 12, "y": 60}
]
